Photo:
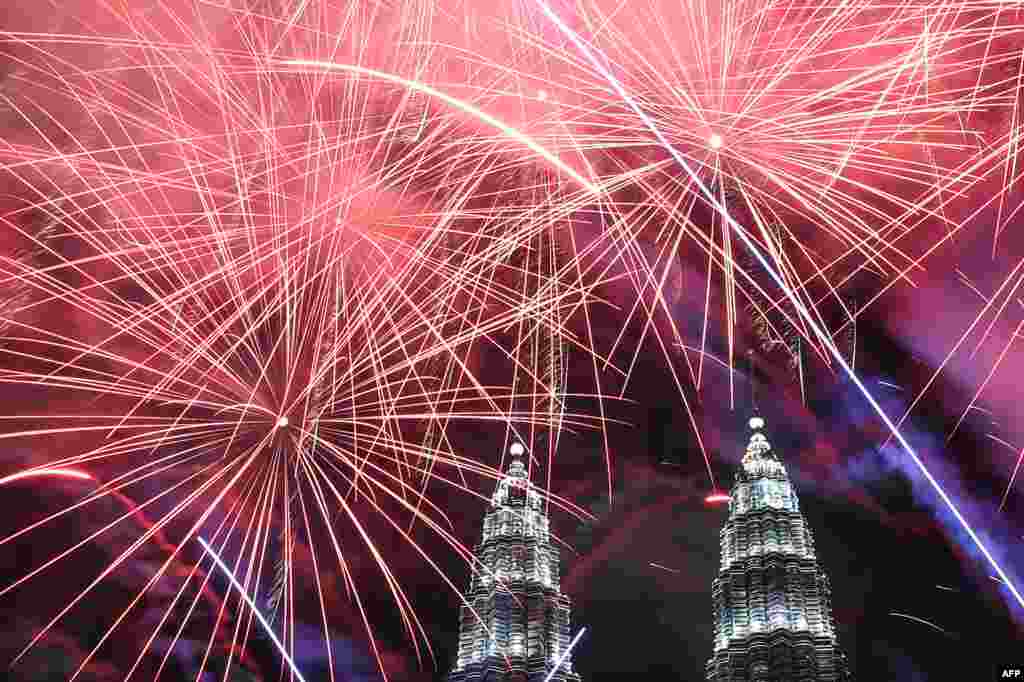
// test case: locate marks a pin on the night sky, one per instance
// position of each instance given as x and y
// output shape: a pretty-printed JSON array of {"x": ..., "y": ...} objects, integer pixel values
[{"x": 913, "y": 599}]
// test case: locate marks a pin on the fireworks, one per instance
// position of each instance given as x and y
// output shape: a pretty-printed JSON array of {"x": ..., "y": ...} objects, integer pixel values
[
  {"x": 842, "y": 139},
  {"x": 261, "y": 251},
  {"x": 255, "y": 609},
  {"x": 919, "y": 620},
  {"x": 271, "y": 319},
  {"x": 565, "y": 654},
  {"x": 59, "y": 473}
]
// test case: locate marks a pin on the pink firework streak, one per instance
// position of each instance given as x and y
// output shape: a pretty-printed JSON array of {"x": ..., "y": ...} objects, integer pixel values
[
  {"x": 263, "y": 292},
  {"x": 57, "y": 473}
]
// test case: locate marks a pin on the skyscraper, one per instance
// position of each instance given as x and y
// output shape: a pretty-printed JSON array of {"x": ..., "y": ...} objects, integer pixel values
[
  {"x": 773, "y": 614},
  {"x": 518, "y": 626}
]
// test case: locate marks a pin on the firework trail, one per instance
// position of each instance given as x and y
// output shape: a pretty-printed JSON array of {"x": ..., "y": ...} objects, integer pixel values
[
  {"x": 58, "y": 473},
  {"x": 272, "y": 300},
  {"x": 919, "y": 620},
  {"x": 565, "y": 654},
  {"x": 263, "y": 621}
]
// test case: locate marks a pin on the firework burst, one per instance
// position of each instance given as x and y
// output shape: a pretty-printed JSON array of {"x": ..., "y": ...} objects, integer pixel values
[
  {"x": 271, "y": 299},
  {"x": 271, "y": 383},
  {"x": 845, "y": 139}
]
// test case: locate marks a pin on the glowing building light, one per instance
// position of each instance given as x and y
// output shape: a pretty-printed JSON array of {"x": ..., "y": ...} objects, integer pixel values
[
  {"x": 528, "y": 616},
  {"x": 766, "y": 535}
]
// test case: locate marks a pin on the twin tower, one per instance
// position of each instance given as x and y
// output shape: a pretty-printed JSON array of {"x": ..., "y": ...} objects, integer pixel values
[{"x": 773, "y": 617}]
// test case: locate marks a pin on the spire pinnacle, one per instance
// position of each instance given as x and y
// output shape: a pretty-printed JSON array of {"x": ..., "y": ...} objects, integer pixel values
[
  {"x": 758, "y": 446},
  {"x": 516, "y": 468},
  {"x": 515, "y": 582}
]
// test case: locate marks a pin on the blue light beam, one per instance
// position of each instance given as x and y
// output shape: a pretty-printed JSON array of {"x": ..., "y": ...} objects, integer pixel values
[
  {"x": 822, "y": 336},
  {"x": 252, "y": 605}
]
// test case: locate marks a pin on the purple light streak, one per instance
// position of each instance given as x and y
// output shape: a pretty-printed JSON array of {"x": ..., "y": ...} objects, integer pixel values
[{"x": 252, "y": 605}]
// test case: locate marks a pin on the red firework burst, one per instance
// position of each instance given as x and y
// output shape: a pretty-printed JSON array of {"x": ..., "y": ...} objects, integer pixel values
[{"x": 261, "y": 304}]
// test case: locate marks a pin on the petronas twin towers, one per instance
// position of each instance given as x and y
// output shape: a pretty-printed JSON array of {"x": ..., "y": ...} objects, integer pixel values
[{"x": 773, "y": 617}]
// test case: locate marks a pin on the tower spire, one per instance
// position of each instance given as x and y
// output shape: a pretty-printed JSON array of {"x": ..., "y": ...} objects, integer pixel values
[
  {"x": 515, "y": 624},
  {"x": 773, "y": 616}
]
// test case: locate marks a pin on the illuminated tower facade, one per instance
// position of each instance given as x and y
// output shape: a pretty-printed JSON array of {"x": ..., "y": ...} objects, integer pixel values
[
  {"x": 773, "y": 614},
  {"x": 518, "y": 627}
]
